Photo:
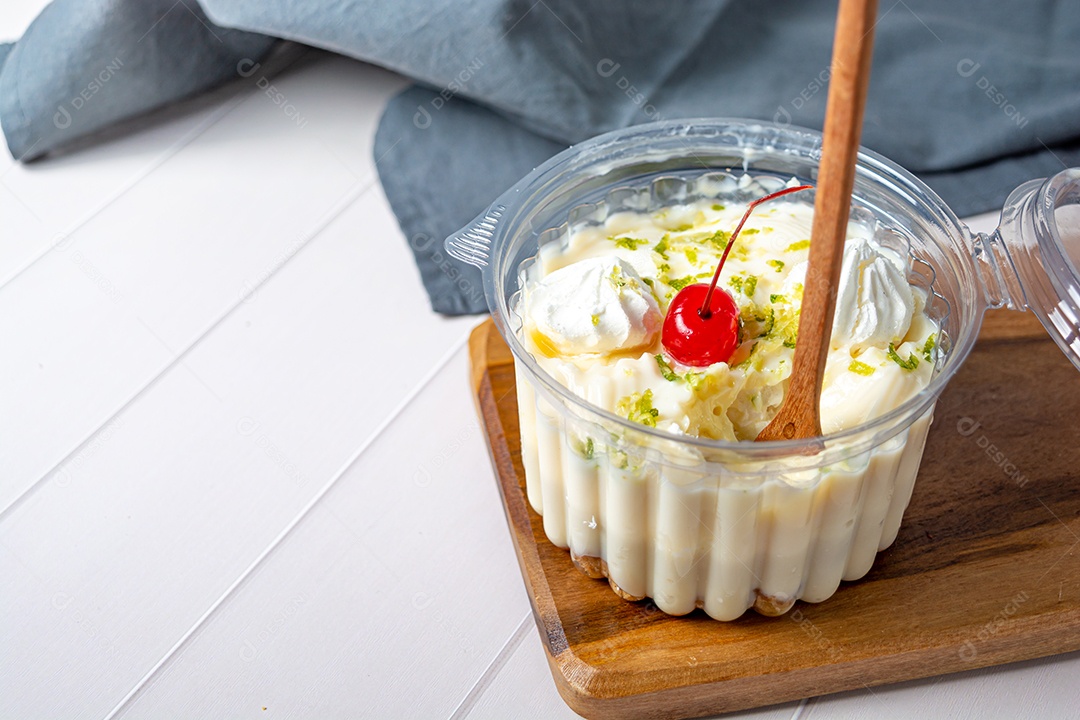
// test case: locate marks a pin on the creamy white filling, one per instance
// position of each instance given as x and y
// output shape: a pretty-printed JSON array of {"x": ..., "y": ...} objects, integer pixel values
[{"x": 601, "y": 338}]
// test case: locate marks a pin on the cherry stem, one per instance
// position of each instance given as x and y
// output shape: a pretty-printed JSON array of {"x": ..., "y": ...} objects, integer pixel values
[{"x": 705, "y": 312}]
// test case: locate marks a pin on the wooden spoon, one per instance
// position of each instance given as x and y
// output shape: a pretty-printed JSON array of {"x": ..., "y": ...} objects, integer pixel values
[{"x": 799, "y": 416}]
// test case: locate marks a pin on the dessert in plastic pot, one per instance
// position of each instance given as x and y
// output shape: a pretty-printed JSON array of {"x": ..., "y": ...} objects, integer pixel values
[{"x": 709, "y": 520}]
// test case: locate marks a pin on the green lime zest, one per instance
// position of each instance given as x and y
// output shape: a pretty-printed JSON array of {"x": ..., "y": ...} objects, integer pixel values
[
  {"x": 661, "y": 248},
  {"x": 770, "y": 323},
  {"x": 928, "y": 348},
  {"x": 720, "y": 239},
  {"x": 693, "y": 379},
  {"x": 860, "y": 368},
  {"x": 665, "y": 369},
  {"x": 778, "y": 264},
  {"x": 630, "y": 243},
  {"x": 638, "y": 408},
  {"x": 800, "y": 245},
  {"x": 910, "y": 364}
]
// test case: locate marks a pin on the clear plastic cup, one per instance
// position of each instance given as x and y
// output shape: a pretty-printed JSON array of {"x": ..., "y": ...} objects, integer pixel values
[{"x": 726, "y": 526}]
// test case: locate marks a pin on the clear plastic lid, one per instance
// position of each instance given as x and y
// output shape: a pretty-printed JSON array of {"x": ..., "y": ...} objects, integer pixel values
[{"x": 1032, "y": 260}]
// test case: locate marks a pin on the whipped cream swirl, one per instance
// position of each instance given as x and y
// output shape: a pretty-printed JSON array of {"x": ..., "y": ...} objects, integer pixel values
[
  {"x": 594, "y": 306},
  {"x": 874, "y": 301}
]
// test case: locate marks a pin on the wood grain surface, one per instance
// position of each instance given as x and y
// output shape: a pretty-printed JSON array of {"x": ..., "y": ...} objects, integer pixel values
[{"x": 984, "y": 570}]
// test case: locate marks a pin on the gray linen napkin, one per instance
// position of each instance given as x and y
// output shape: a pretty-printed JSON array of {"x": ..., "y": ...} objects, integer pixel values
[
  {"x": 84, "y": 65},
  {"x": 974, "y": 97}
]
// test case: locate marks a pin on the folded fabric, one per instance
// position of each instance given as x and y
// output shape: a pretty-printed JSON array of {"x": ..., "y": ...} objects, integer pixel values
[
  {"x": 973, "y": 118},
  {"x": 973, "y": 97},
  {"x": 440, "y": 176},
  {"x": 84, "y": 65}
]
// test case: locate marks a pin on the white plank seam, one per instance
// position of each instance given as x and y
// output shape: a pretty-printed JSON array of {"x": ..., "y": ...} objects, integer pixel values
[
  {"x": 239, "y": 581},
  {"x": 179, "y": 145},
  {"x": 351, "y": 196},
  {"x": 242, "y": 92},
  {"x": 466, "y": 705}
]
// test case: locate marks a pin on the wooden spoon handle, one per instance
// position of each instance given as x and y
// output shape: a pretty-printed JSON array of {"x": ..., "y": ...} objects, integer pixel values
[{"x": 799, "y": 417}]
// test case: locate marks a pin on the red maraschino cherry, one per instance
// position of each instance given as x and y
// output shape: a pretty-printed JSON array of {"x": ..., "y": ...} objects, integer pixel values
[
  {"x": 694, "y": 338},
  {"x": 702, "y": 325}
]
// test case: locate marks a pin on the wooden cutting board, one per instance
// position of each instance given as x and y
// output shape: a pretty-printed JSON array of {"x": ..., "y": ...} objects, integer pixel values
[{"x": 986, "y": 569}]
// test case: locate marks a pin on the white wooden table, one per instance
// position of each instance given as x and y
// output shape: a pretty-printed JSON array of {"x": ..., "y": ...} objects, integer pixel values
[{"x": 240, "y": 469}]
